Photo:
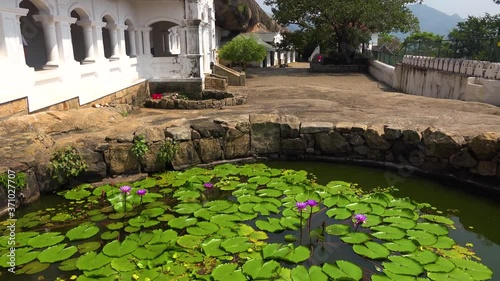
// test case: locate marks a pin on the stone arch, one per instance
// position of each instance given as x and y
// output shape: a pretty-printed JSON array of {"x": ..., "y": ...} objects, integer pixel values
[
  {"x": 33, "y": 35},
  {"x": 129, "y": 35},
  {"x": 168, "y": 19},
  {"x": 164, "y": 38},
  {"x": 109, "y": 39},
  {"x": 81, "y": 34},
  {"x": 43, "y": 6},
  {"x": 81, "y": 11}
]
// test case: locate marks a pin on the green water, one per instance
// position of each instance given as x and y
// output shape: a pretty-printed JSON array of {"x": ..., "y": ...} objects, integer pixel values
[
  {"x": 474, "y": 213},
  {"x": 469, "y": 210}
]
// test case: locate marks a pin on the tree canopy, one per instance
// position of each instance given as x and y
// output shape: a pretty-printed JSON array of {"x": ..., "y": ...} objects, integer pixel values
[
  {"x": 242, "y": 49},
  {"x": 344, "y": 24},
  {"x": 477, "y": 38}
]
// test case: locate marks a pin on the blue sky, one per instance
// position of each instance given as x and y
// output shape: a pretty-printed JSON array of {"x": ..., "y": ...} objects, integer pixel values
[{"x": 463, "y": 8}]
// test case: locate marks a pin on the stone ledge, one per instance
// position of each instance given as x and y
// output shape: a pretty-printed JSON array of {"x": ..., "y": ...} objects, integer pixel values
[
  {"x": 207, "y": 142},
  {"x": 208, "y": 100}
]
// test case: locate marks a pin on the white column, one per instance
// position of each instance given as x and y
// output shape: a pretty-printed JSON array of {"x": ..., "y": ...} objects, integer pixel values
[
  {"x": 113, "y": 38},
  {"x": 131, "y": 41},
  {"x": 49, "y": 31},
  {"x": 88, "y": 39},
  {"x": 11, "y": 46},
  {"x": 182, "y": 43},
  {"x": 147, "y": 40},
  {"x": 63, "y": 32},
  {"x": 268, "y": 59},
  {"x": 138, "y": 42}
]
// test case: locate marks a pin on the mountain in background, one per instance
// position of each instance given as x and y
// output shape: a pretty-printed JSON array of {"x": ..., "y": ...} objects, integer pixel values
[{"x": 432, "y": 20}]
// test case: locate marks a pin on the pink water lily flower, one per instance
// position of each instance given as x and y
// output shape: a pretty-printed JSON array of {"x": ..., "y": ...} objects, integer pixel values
[
  {"x": 359, "y": 219},
  {"x": 125, "y": 189},
  {"x": 311, "y": 203},
  {"x": 141, "y": 192},
  {"x": 301, "y": 206},
  {"x": 208, "y": 185}
]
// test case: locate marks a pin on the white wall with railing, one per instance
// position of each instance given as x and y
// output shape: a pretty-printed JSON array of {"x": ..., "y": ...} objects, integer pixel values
[{"x": 96, "y": 47}]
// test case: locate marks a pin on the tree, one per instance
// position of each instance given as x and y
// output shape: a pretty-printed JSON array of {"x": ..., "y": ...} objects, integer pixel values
[
  {"x": 345, "y": 24},
  {"x": 242, "y": 49},
  {"x": 302, "y": 42},
  {"x": 423, "y": 44},
  {"x": 391, "y": 42},
  {"x": 477, "y": 38}
]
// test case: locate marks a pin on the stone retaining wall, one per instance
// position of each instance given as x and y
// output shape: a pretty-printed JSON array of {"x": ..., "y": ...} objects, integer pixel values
[
  {"x": 204, "y": 141},
  {"x": 210, "y": 99}
]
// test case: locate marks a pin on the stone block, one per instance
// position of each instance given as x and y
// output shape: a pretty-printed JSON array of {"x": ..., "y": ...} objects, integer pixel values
[
  {"x": 315, "y": 127},
  {"x": 121, "y": 160},
  {"x": 487, "y": 168},
  {"x": 344, "y": 127},
  {"x": 186, "y": 155},
  {"x": 463, "y": 159},
  {"x": 331, "y": 143},
  {"x": 237, "y": 144},
  {"x": 357, "y": 140},
  {"x": 150, "y": 162},
  {"x": 96, "y": 167},
  {"x": 209, "y": 150},
  {"x": 392, "y": 133},
  {"x": 441, "y": 143},
  {"x": 265, "y": 133},
  {"x": 294, "y": 144},
  {"x": 362, "y": 150},
  {"x": 290, "y": 126},
  {"x": 412, "y": 136},
  {"x": 374, "y": 137},
  {"x": 208, "y": 129},
  {"x": 485, "y": 146},
  {"x": 151, "y": 134},
  {"x": 178, "y": 133}
]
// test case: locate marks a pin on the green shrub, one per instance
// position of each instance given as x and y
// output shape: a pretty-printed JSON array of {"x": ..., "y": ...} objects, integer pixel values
[
  {"x": 66, "y": 164},
  {"x": 140, "y": 147},
  {"x": 19, "y": 181},
  {"x": 242, "y": 49},
  {"x": 167, "y": 151}
]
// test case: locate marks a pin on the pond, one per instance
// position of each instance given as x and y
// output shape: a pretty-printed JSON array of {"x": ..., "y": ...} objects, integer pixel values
[{"x": 247, "y": 222}]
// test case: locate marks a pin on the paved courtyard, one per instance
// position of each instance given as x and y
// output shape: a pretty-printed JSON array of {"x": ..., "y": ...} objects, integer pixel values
[{"x": 293, "y": 90}]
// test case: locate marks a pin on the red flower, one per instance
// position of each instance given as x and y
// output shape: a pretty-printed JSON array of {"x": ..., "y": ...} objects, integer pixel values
[{"x": 156, "y": 96}]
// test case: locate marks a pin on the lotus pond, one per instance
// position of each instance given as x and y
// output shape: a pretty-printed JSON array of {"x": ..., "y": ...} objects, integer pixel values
[{"x": 249, "y": 222}]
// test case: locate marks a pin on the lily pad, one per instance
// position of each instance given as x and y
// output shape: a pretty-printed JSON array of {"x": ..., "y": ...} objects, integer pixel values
[
  {"x": 88, "y": 247},
  {"x": 119, "y": 249},
  {"x": 33, "y": 268},
  {"x": 46, "y": 240},
  {"x": 257, "y": 269},
  {"x": 344, "y": 270},
  {"x": 82, "y": 232},
  {"x": 371, "y": 250},
  {"x": 57, "y": 253}
]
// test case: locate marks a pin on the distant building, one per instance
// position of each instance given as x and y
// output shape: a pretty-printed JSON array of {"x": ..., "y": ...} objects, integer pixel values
[{"x": 52, "y": 51}]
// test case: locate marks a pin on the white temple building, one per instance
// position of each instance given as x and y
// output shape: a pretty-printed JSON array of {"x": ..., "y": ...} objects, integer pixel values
[{"x": 52, "y": 51}]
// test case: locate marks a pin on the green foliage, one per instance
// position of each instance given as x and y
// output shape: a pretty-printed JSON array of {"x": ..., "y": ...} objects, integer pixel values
[
  {"x": 341, "y": 26},
  {"x": 19, "y": 181},
  {"x": 140, "y": 147},
  {"x": 470, "y": 38},
  {"x": 167, "y": 151},
  {"x": 242, "y": 49},
  {"x": 219, "y": 234},
  {"x": 67, "y": 163},
  {"x": 423, "y": 43}
]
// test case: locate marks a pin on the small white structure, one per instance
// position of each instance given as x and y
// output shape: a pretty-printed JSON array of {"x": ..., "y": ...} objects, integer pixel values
[
  {"x": 52, "y": 51},
  {"x": 275, "y": 56}
]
